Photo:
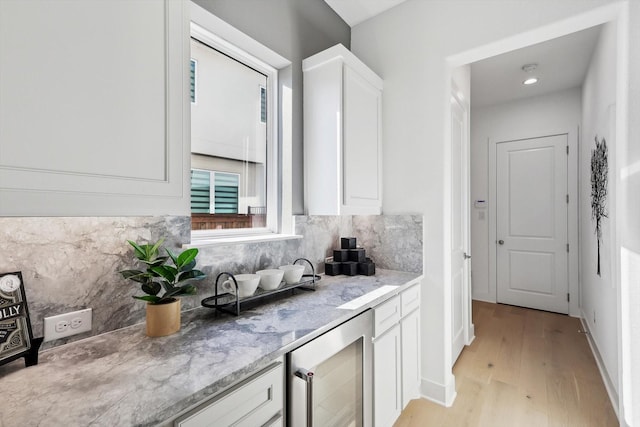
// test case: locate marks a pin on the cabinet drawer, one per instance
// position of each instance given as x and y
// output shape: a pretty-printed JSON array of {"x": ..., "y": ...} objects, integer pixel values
[
  {"x": 256, "y": 402},
  {"x": 410, "y": 299},
  {"x": 276, "y": 421},
  {"x": 386, "y": 315}
]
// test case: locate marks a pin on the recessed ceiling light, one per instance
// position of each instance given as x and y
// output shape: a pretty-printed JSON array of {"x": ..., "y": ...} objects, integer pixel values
[{"x": 530, "y": 81}]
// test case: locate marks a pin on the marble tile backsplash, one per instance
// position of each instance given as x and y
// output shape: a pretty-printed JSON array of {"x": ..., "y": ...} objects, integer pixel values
[
  {"x": 392, "y": 241},
  {"x": 71, "y": 263}
]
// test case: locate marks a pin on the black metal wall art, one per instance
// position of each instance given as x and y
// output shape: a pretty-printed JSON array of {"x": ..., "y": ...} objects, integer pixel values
[{"x": 599, "y": 178}]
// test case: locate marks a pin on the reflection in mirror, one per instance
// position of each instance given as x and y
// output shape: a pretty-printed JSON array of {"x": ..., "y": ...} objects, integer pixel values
[{"x": 228, "y": 141}]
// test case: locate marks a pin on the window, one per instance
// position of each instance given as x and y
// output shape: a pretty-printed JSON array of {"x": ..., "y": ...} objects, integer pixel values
[
  {"x": 226, "y": 192},
  {"x": 231, "y": 149},
  {"x": 192, "y": 80},
  {"x": 221, "y": 198},
  {"x": 263, "y": 104},
  {"x": 200, "y": 191},
  {"x": 235, "y": 135}
]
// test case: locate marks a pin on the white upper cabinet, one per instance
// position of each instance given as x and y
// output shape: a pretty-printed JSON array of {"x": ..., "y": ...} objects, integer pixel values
[
  {"x": 94, "y": 108},
  {"x": 342, "y": 134}
]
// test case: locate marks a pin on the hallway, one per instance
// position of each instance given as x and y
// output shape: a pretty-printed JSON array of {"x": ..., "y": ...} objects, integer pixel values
[{"x": 525, "y": 368}]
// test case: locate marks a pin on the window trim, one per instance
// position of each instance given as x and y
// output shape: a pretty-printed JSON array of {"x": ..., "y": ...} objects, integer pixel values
[{"x": 210, "y": 29}]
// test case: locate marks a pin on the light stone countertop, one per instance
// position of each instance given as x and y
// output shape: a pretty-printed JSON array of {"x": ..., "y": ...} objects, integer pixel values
[{"x": 124, "y": 378}]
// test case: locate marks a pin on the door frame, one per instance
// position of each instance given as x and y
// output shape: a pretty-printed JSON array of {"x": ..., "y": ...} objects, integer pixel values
[{"x": 572, "y": 211}]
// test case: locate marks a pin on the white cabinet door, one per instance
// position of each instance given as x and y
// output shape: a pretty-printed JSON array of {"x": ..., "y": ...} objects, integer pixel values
[
  {"x": 410, "y": 335},
  {"x": 92, "y": 108},
  {"x": 387, "y": 390},
  {"x": 362, "y": 150},
  {"x": 342, "y": 135}
]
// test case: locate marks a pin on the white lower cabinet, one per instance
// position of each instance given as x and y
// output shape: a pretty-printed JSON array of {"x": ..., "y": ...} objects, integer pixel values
[
  {"x": 387, "y": 385},
  {"x": 410, "y": 336},
  {"x": 256, "y": 401},
  {"x": 396, "y": 355}
]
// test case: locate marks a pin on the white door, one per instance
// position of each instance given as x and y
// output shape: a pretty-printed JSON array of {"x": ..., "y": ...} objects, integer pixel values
[
  {"x": 460, "y": 296},
  {"x": 531, "y": 208}
]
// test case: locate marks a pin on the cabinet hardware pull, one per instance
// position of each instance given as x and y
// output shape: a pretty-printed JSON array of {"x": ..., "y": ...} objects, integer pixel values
[{"x": 307, "y": 377}]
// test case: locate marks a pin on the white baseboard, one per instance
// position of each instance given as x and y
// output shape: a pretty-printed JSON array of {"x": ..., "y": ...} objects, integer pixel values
[
  {"x": 439, "y": 393},
  {"x": 613, "y": 395},
  {"x": 472, "y": 334},
  {"x": 487, "y": 298}
]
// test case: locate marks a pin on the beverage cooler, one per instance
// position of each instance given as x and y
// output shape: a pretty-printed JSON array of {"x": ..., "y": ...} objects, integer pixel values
[{"x": 330, "y": 378}]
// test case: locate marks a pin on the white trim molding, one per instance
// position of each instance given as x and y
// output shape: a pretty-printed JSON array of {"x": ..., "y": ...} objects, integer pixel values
[{"x": 442, "y": 394}]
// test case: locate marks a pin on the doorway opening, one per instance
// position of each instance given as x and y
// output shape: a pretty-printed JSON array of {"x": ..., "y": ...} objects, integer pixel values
[
  {"x": 578, "y": 114},
  {"x": 545, "y": 275}
]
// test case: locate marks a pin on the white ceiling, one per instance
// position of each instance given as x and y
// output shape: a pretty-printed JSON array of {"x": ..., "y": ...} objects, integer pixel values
[
  {"x": 354, "y": 12},
  {"x": 562, "y": 64}
]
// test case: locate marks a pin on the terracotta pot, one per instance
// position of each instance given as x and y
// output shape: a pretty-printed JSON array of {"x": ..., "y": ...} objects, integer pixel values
[{"x": 163, "y": 319}]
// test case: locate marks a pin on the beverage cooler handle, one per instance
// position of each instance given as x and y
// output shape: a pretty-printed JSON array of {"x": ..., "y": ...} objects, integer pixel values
[{"x": 307, "y": 377}]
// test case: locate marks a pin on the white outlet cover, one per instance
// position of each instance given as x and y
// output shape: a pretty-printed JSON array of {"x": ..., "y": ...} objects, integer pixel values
[{"x": 81, "y": 318}]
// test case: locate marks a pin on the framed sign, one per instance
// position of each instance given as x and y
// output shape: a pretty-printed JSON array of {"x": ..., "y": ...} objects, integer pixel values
[{"x": 15, "y": 326}]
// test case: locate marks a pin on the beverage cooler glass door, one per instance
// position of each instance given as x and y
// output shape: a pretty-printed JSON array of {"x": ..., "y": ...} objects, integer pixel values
[{"x": 330, "y": 378}]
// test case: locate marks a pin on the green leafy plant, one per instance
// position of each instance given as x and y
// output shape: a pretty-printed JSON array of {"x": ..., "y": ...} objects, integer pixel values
[{"x": 160, "y": 276}]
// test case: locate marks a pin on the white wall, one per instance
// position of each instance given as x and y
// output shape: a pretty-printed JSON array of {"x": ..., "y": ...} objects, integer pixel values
[
  {"x": 412, "y": 47},
  {"x": 554, "y": 113},
  {"x": 628, "y": 170},
  {"x": 599, "y": 294}
]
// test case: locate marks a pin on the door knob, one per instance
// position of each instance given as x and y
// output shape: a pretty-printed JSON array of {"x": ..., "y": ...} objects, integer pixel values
[
  {"x": 501, "y": 242},
  {"x": 465, "y": 256}
]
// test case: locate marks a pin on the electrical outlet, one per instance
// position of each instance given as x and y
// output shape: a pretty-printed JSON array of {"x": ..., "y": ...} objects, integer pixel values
[
  {"x": 61, "y": 326},
  {"x": 328, "y": 259},
  {"x": 65, "y": 325}
]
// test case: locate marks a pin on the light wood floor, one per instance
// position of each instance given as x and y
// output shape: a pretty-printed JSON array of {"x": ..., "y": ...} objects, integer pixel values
[{"x": 525, "y": 368}]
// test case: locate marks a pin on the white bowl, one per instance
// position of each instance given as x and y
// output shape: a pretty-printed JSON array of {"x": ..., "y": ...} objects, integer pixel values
[
  {"x": 292, "y": 273},
  {"x": 270, "y": 279},
  {"x": 247, "y": 284}
]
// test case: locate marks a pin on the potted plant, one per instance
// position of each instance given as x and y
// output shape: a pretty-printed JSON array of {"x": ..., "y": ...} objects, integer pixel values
[{"x": 163, "y": 283}]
